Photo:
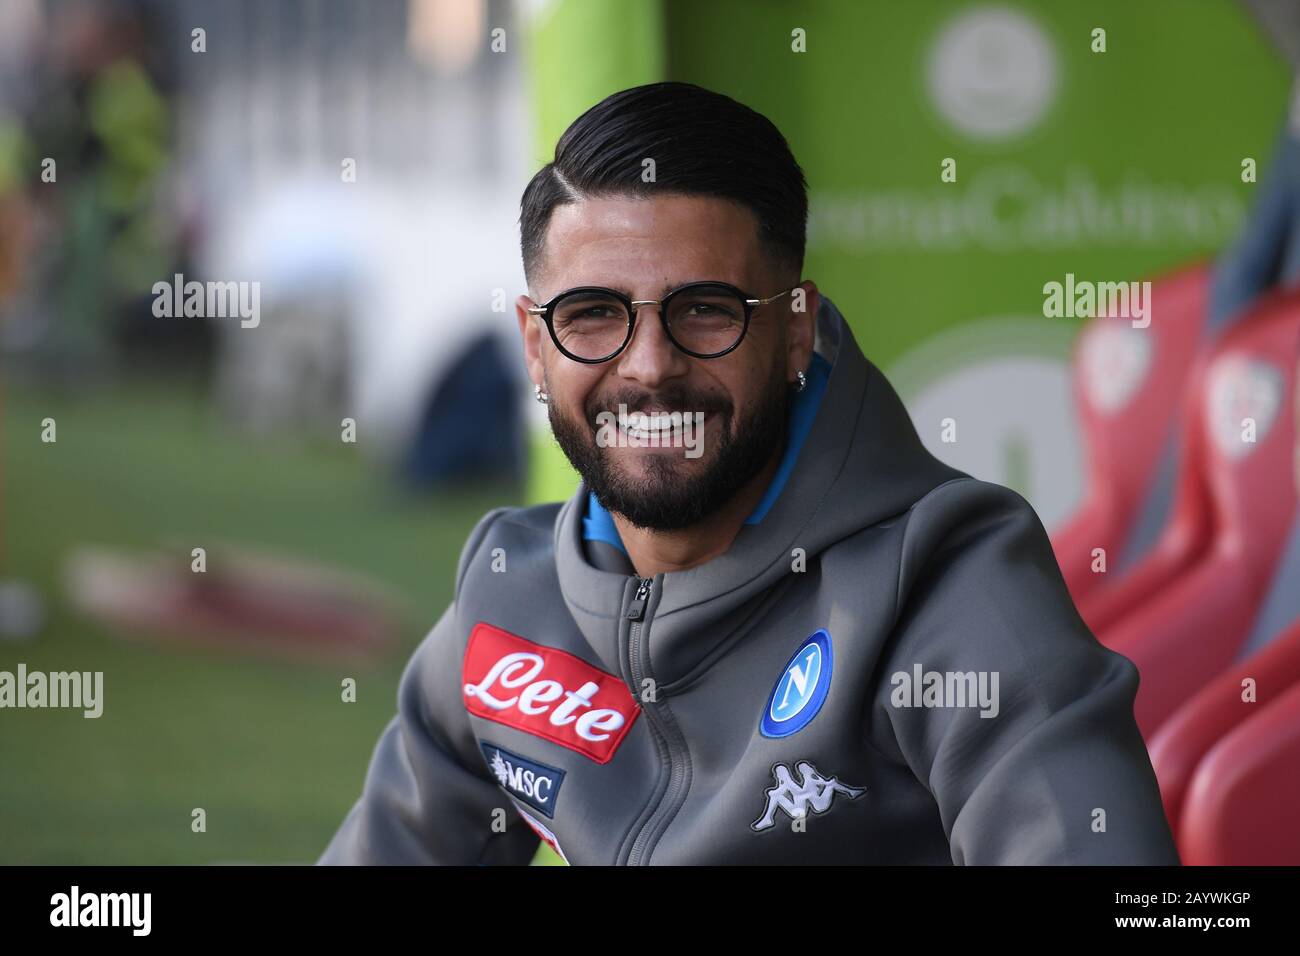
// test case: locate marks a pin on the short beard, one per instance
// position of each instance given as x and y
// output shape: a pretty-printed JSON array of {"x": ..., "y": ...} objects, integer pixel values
[{"x": 664, "y": 499}]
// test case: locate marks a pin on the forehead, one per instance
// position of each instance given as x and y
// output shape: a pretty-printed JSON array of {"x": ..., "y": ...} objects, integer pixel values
[{"x": 638, "y": 245}]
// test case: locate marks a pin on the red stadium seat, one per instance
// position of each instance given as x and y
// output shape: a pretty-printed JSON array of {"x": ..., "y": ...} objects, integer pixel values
[
  {"x": 1187, "y": 632},
  {"x": 1241, "y": 802},
  {"x": 1128, "y": 386},
  {"x": 1184, "y": 537},
  {"x": 1218, "y": 708}
]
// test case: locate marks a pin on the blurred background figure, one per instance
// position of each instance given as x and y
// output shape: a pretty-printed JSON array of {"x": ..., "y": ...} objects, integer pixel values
[{"x": 92, "y": 119}]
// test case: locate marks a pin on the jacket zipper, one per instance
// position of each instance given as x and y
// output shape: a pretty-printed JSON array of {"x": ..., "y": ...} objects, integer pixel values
[
  {"x": 637, "y": 610},
  {"x": 660, "y": 732}
]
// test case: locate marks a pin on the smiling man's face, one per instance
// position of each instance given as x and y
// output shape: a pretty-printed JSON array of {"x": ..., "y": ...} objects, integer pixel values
[{"x": 645, "y": 247}]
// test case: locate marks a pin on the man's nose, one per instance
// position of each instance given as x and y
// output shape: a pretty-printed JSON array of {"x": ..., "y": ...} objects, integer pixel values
[{"x": 650, "y": 357}]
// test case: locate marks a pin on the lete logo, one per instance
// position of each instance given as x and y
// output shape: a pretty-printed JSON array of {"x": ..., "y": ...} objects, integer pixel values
[
  {"x": 545, "y": 692},
  {"x": 801, "y": 689}
]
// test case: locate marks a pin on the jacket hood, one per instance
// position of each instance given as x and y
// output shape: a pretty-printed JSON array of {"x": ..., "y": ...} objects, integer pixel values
[{"x": 861, "y": 463}]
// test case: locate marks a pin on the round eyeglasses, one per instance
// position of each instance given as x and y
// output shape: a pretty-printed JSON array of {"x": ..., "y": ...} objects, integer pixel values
[{"x": 705, "y": 320}]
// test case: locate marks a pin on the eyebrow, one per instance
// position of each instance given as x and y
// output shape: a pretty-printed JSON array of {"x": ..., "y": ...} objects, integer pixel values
[{"x": 663, "y": 290}]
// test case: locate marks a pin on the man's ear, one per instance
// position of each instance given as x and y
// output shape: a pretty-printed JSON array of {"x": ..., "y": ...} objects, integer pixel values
[
  {"x": 805, "y": 301},
  {"x": 530, "y": 328}
]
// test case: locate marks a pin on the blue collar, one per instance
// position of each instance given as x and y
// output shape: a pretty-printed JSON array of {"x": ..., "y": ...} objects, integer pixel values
[{"x": 597, "y": 525}]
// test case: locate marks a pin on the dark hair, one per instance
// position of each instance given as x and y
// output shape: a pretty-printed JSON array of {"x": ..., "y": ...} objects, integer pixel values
[{"x": 703, "y": 143}]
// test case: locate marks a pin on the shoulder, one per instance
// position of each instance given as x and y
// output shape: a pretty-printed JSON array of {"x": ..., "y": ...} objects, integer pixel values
[
  {"x": 975, "y": 552},
  {"x": 970, "y": 515},
  {"x": 511, "y": 534},
  {"x": 979, "y": 586}
]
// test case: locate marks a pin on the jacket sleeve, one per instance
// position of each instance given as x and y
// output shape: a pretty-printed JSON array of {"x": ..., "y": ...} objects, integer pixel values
[
  {"x": 423, "y": 802},
  {"x": 1057, "y": 772}
]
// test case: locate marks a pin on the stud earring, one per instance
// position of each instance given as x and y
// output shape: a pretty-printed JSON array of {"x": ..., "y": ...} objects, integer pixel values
[
  {"x": 803, "y": 381},
  {"x": 540, "y": 395}
]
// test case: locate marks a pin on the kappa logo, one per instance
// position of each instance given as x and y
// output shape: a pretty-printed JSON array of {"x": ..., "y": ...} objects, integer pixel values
[
  {"x": 801, "y": 689},
  {"x": 537, "y": 784},
  {"x": 545, "y": 692},
  {"x": 812, "y": 791}
]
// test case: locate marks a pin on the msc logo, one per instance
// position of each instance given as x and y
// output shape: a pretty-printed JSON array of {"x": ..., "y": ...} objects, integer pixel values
[
  {"x": 801, "y": 690},
  {"x": 534, "y": 783},
  {"x": 812, "y": 791}
]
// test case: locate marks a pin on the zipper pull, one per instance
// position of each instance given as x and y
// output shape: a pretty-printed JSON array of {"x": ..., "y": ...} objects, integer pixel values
[{"x": 635, "y": 612}]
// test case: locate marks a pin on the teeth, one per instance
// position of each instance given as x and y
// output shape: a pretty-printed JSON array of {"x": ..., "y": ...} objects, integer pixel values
[
  {"x": 657, "y": 426},
  {"x": 660, "y": 421}
]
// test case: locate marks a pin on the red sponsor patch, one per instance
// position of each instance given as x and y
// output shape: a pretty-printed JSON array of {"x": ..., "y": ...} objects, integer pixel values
[{"x": 545, "y": 692}]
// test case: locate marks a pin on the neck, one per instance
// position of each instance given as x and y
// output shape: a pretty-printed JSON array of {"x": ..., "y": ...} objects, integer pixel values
[{"x": 654, "y": 552}]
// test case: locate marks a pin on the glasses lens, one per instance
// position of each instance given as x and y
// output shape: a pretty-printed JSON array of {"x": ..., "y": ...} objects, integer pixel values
[
  {"x": 706, "y": 319},
  {"x": 590, "y": 325}
]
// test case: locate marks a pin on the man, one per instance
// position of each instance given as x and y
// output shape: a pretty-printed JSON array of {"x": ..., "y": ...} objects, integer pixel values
[{"x": 768, "y": 627}]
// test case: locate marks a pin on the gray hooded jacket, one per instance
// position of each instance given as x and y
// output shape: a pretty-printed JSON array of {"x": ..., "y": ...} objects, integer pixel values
[{"x": 887, "y": 668}]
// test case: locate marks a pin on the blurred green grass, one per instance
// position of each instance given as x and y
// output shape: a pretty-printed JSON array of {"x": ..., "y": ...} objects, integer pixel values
[{"x": 266, "y": 748}]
